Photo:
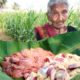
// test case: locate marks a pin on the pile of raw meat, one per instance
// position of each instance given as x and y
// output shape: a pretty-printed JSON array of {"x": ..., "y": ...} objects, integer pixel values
[
  {"x": 40, "y": 64},
  {"x": 21, "y": 64}
]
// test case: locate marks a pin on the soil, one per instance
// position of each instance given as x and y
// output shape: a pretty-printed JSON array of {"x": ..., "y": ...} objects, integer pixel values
[{"x": 4, "y": 37}]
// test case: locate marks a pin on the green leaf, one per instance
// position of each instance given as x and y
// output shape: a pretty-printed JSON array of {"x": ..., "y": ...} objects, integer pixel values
[
  {"x": 9, "y": 47},
  {"x": 67, "y": 42},
  {"x": 77, "y": 77},
  {"x": 19, "y": 79},
  {"x": 4, "y": 76}
]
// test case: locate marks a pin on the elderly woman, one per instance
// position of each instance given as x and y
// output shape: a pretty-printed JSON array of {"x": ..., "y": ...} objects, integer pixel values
[{"x": 57, "y": 15}]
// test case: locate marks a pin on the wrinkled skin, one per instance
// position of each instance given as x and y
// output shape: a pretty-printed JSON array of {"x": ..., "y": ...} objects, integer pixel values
[{"x": 58, "y": 15}]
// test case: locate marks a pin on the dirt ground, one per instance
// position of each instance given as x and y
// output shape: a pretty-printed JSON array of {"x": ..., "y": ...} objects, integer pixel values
[{"x": 3, "y": 36}]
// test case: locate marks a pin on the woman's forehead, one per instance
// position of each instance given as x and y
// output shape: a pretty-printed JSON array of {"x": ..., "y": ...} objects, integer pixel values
[
  {"x": 52, "y": 2},
  {"x": 59, "y": 7}
]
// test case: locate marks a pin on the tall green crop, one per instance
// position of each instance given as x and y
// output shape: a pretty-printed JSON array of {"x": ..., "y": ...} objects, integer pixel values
[{"x": 20, "y": 26}]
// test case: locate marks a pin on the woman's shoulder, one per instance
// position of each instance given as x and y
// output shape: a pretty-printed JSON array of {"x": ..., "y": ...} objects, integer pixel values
[
  {"x": 71, "y": 28},
  {"x": 40, "y": 28},
  {"x": 40, "y": 31}
]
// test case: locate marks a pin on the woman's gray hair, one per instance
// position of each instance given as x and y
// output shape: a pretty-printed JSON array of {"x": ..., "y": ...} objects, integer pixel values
[{"x": 52, "y": 2}]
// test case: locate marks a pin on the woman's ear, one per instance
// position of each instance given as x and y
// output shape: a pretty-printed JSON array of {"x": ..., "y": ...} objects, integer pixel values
[
  {"x": 47, "y": 13},
  {"x": 48, "y": 16}
]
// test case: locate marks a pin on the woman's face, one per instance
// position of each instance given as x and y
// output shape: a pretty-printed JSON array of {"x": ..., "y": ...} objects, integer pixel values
[{"x": 58, "y": 15}]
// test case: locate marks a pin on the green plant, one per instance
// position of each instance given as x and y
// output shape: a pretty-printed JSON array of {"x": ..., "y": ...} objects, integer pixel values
[
  {"x": 4, "y": 76},
  {"x": 74, "y": 18},
  {"x": 21, "y": 26},
  {"x": 42, "y": 19},
  {"x": 77, "y": 77}
]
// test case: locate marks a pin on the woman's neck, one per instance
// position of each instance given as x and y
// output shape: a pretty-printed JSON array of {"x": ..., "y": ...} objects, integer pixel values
[{"x": 60, "y": 30}]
